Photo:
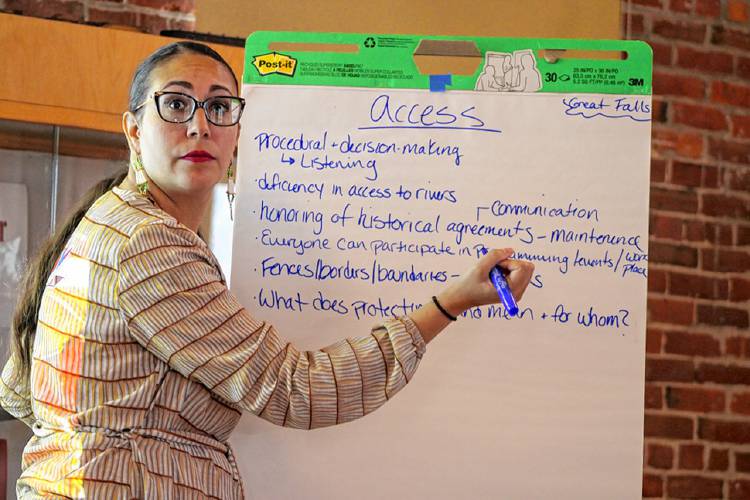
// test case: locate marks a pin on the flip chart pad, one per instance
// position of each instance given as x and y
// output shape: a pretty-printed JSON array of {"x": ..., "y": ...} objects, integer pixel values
[{"x": 358, "y": 202}]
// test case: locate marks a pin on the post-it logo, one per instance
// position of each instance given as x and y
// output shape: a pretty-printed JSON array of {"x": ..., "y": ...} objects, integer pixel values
[{"x": 273, "y": 62}]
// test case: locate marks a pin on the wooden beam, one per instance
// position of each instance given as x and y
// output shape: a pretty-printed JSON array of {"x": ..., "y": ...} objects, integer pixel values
[{"x": 74, "y": 75}]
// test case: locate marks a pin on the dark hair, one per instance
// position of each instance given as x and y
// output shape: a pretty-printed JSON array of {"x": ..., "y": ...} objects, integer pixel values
[
  {"x": 141, "y": 79},
  {"x": 37, "y": 273}
]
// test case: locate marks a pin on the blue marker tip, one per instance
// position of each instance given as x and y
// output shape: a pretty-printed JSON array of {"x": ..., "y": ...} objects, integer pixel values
[{"x": 503, "y": 290}]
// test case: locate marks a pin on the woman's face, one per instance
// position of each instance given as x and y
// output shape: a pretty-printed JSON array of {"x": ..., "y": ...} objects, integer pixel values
[{"x": 166, "y": 147}]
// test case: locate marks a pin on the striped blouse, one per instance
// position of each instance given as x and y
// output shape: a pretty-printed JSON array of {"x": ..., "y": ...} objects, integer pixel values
[{"x": 143, "y": 362}]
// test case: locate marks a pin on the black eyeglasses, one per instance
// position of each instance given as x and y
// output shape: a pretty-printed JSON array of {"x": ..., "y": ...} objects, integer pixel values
[{"x": 176, "y": 107}]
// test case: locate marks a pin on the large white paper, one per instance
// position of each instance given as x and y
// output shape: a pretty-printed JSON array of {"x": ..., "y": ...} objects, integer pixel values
[{"x": 355, "y": 204}]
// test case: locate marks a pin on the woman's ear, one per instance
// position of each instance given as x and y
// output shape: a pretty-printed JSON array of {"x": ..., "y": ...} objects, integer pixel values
[{"x": 132, "y": 131}]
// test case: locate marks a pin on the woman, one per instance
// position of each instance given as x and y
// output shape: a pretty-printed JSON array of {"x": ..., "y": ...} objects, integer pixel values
[{"x": 132, "y": 361}]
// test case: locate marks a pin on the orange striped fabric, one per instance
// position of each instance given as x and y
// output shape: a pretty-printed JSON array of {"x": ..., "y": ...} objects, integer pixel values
[{"x": 143, "y": 362}]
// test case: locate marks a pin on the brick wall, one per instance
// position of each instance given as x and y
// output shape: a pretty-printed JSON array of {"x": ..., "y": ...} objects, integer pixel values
[
  {"x": 697, "y": 423},
  {"x": 149, "y": 16}
]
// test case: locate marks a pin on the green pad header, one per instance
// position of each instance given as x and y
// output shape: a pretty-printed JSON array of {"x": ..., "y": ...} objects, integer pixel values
[{"x": 507, "y": 64}]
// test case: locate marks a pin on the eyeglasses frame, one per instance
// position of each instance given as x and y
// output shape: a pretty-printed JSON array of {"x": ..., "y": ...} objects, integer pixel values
[{"x": 198, "y": 104}]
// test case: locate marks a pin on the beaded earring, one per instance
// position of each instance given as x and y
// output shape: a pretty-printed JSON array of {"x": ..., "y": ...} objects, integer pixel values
[
  {"x": 230, "y": 189},
  {"x": 140, "y": 175}
]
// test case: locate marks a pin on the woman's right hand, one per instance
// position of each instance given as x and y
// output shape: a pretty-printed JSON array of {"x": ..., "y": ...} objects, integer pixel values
[{"x": 474, "y": 288}]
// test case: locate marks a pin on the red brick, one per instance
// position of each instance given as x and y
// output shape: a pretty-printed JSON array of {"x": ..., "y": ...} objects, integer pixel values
[
  {"x": 741, "y": 403},
  {"x": 670, "y": 311},
  {"x": 739, "y": 489},
  {"x": 686, "y": 174},
  {"x": 658, "y": 170},
  {"x": 738, "y": 11},
  {"x": 634, "y": 25},
  {"x": 718, "y": 460},
  {"x": 682, "y": 6},
  {"x": 733, "y": 38},
  {"x": 736, "y": 152},
  {"x": 688, "y": 144},
  {"x": 703, "y": 61},
  {"x": 741, "y": 461},
  {"x": 678, "y": 85},
  {"x": 695, "y": 400},
  {"x": 709, "y": 259},
  {"x": 743, "y": 67},
  {"x": 653, "y": 340},
  {"x": 649, "y": 3},
  {"x": 652, "y": 486},
  {"x": 691, "y": 457},
  {"x": 694, "y": 487},
  {"x": 709, "y": 8},
  {"x": 657, "y": 281},
  {"x": 743, "y": 235},
  {"x": 669, "y": 370},
  {"x": 721, "y": 316},
  {"x": 695, "y": 230},
  {"x": 679, "y": 30},
  {"x": 720, "y": 234},
  {"x": 124, "y": 18},
  {"x": 678, "y": 255},
  {"x": 738, "y": 179},
  {"x": 660, "y": 456},
  {"x": 50, "y": 9},
  {"x": 739, "y": 289},
  {"x": 170, "y": 5},
  {"x": 722, "y": 205},
  {"x": 723, "y": 374},
  {"x": 668, "y": 427},
  {"x": 730, "y": 93},
  {"x": 736, "y": 346},
  {"x": 725, "y": 260},
  {"x": 663, "y": 226},
  {"x": 711, "y": 232},
  {"x": 724, "y": 431},
  {"x": 723, "y": 289},
  {"x": 694, "y": 285},
  {"x": 699, "y": 117},
  {"x": 710, "y": 176},
  {"x": 741, "y": 126},
  {"x": 653, "y": 397},
  {"x": 691, "y": 344},
  {"x": 153, "y": 24},
  {"x": 676, "y": 201},
  {"x": 662, "y": 53},
  {"x": 734, "y": 260}
]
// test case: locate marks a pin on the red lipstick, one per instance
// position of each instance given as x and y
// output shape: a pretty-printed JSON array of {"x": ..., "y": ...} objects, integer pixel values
[{"x": 198, "y": 156}]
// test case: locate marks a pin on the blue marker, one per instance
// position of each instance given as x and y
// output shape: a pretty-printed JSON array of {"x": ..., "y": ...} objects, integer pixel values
[{"x": 503, "y": 290}]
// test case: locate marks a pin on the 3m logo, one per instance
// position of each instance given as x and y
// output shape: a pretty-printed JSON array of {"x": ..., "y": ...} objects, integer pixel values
[{"x": 273, "y": 62}]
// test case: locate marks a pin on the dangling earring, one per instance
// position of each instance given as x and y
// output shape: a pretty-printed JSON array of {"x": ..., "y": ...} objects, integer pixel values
[
  {"x": 140, "y": 176},
  {"x": 230, "y": 189}
]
